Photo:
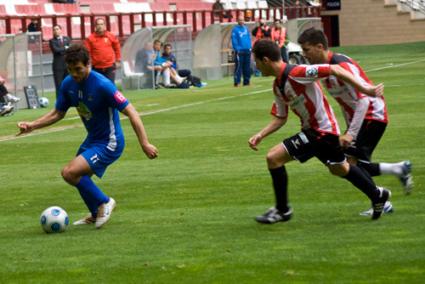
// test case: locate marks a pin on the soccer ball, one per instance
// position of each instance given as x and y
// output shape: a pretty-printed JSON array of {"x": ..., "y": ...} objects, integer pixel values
[
  {"x": 43, "y": 101},
  {"x": 54, "y": 220}
]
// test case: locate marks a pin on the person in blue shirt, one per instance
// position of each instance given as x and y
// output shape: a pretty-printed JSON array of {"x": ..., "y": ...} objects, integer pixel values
[
  {"x": 97, "y": 101},
  {"x": 241, "y": 43}
]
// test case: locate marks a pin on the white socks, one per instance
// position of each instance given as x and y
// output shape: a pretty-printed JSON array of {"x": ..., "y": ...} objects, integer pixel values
[{"x": 391, "y": 168}]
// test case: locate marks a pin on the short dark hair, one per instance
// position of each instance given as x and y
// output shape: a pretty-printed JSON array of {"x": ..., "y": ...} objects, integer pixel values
[
  {"x": 313, "y": 36},
  {"x": 167, "y": 45},
  {"x": 59, "y": 26},
  {"x": 266, "y": 48},
  {"x": 77, "y": 53},
  {"x": 99, "y": 19},
  {"x": 157, "y": 41}
]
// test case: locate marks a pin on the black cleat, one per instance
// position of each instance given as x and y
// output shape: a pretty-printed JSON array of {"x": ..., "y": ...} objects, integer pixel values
[
  {"x": 378, "y": 205},
  {"x": 273, "y": 216}
]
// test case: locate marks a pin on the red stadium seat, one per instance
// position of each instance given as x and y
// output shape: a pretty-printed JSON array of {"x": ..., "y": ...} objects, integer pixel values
[
  {"x": 66, "y": 8},
  {"x": 30, "y": 9},
  {"x": 3, "y": 10},
  {"x": 100, "y": 8}
]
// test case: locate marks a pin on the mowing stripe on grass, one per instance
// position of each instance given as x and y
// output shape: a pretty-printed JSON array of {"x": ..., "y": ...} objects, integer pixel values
[{"x": 63, "y": 128}]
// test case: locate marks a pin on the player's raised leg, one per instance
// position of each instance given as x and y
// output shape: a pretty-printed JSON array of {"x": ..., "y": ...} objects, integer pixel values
[{"x": 359, "y": 179}]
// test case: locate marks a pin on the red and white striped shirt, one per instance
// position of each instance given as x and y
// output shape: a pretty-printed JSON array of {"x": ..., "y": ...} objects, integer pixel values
[
  {"x": 304, "y": 95},
  {"x": 347, "y": 97}
]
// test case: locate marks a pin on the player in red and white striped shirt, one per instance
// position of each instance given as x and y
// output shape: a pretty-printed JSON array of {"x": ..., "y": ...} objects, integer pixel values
[
  {"x": 298, "y": 88},
  {"x": 366, "y": 117}
]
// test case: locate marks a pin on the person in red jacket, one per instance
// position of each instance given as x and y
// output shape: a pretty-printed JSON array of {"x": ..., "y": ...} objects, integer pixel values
[
  {"x": 104, "y": 49},
  {"x": 278, "y": 35},
  {"x": 261, "y": 31}
]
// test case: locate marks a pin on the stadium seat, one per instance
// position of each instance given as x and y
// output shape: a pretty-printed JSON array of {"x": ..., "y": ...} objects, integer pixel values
[
  {"x": 131, "y": 80},
  {"x": 262, "y": 4},
  {"x": 30, "y": 9},
  {"x": 102, "y": 8},
  {"x": 65, "y": 8},
  {"x": 3, "y": 10},
  {"x": 132, "y": 7}
]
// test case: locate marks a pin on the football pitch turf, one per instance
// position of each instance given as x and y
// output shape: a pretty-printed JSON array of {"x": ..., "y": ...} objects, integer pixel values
[{"x": 188, "y": 216}]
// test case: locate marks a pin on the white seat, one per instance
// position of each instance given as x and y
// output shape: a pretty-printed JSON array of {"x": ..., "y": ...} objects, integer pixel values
[{"x": 130, "y": 75}]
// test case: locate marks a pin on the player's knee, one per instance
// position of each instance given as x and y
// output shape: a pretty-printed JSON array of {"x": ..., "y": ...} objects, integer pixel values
[
  {"x": 339, "y": 169},
  {"x": 272, "y": 160},
  {"x": 68, "y": 175}
]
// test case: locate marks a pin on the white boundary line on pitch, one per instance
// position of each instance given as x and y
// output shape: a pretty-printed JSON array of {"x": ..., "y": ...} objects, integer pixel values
[
  {"x": 58, "y": 129},
  {"x": 395, "y": 65}
]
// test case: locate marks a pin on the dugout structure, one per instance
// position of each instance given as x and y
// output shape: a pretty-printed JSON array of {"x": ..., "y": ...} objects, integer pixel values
[
  {"x": 138, "y": 47},
  {"x": 21, "y": 63},
  {"x": 213, "y": 52},
  {"x": 296, "y": 27}
]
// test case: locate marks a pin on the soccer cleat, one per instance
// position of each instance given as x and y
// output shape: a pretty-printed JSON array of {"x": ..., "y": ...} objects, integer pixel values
[
  {"x": 104, "y": 213},
  {"x": 11, "y": 98},
  {"x": 6, "y": 109},
  {"x": 406, "y": 177},
  {"x": 273, "y": 216},
  {"x": 388, "y": 208},
  {"x": 201, "y": 85},
  {"x": 378, "y": 205},
  {"x": 88, "y": 220}
]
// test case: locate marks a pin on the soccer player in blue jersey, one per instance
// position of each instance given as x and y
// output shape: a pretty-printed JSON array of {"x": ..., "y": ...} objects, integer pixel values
[{"x": 97, "y": 101}]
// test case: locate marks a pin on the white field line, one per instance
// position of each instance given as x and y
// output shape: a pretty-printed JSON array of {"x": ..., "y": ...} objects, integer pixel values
[
  {"x": 58, "y": 129},
  {"x": 394, "y": 65},
  {"x": 62, "y": 128}
]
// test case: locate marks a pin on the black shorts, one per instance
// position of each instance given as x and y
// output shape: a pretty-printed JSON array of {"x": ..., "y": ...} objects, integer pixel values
[
  {"x": 368, "y": 138},
  {"x": 309, "y": 143}
]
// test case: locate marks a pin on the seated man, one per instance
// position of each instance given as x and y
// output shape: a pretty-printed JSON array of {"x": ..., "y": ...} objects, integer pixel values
[
  {"x": 145, "y": 63},
  {"x": 169, "y": 62},
  {"x": 7, "y": 100}
]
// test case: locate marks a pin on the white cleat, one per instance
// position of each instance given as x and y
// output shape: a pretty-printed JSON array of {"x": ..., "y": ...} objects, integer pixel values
[
  {"x": 388, "y": 208},
  {"x": 88, "y": 220},
  {"x": 104, "y": 212},
  {"x": 11, "y": 98},
  {"x": 6, "y": 109}
]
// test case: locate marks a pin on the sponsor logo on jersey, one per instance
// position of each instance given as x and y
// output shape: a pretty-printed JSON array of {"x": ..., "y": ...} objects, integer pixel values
[
  {"x": 119, "y": 98},
  {"x": 312, "y": 71},
  {"x": 84, "y": 111}
]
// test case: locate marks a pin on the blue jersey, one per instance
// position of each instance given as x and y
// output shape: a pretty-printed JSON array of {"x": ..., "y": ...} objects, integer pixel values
[
  {"x": 241, "y": 39},
  {"x": 97, "y": 101}
]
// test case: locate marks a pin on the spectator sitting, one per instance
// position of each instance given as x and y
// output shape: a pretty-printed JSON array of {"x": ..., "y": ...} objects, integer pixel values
[
  {"x": 145, "y": 63},
  {"x": 7, "y": 100},
  {"x": 34, "y": 26},
  {"x": 169, "y": 61},
  {"x": 219, "y": 12}
]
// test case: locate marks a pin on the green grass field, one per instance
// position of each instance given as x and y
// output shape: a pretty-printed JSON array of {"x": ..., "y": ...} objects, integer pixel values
[{"x": 188, "y": 216}]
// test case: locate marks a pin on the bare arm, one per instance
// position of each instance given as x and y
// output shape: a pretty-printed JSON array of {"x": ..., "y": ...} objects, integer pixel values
[
  {"x": 149, "y": 149},
  {"x": 274, "y": 125},
  {"x": 49, "y": 118},
  {"x": 346, "y": 76}
]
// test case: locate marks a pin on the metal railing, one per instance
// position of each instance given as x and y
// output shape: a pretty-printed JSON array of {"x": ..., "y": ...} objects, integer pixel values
[
  {"x": 415, "y": 5},
  {"x": 80, "y": 26}
]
